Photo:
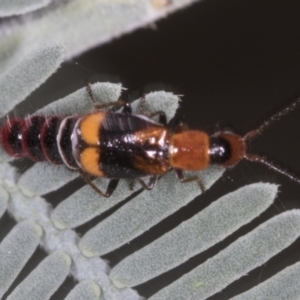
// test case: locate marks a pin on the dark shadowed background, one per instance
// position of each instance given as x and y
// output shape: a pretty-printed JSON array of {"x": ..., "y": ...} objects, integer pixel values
[{"x": 235, "y": 63}]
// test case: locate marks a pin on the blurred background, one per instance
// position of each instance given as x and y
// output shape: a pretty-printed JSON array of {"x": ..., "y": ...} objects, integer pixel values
[{"x": 235, "y": 63}]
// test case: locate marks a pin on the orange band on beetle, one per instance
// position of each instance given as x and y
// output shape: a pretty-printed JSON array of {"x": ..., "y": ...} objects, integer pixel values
[
  {"x": 89, "y": 160},
  {"x": 189, "y": 150},
  {"x": 90, "y": 128}
]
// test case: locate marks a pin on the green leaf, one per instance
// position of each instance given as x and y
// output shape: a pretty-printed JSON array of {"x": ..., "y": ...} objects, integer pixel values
[
  {"x": 196, "y": 235},
  {"x": 242, "y": 256},
  {"x": 143, "y": 212},
  {"x": 45, "y": 279},
  {"x": 18, "y": 7},
  {"x": 26, "y": 234}
]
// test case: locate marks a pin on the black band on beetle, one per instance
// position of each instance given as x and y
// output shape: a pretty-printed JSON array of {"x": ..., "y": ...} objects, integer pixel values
[{"x": 219, "y": 150}]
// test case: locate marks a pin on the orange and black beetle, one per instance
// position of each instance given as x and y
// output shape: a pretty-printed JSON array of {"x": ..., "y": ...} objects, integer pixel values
[{"x": 119, "y": 145}]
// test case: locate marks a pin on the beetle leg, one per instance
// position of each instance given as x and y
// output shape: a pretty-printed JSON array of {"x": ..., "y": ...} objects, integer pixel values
[
  {"x": 141, "y": 105},
  {"x": 112, "y": 185},
  {"x": 162, "y": 116},
  {"x": 150, "y": 185},
  {"x": 127, "y": 106},
  {"x": 180, "y": 176},
  {"x": 99, "y": 106}
]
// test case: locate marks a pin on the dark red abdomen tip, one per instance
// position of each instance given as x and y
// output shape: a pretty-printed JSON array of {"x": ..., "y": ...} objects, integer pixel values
[
  {"x": 35, "y": 138},
  {"x": 11, "y": 137}
]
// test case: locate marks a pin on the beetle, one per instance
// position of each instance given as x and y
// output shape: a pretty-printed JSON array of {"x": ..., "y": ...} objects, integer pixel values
[{"x": 119, "y": 145}]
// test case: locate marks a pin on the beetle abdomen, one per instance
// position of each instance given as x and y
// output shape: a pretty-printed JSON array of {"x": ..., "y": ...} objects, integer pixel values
[{"x": 36, "y": 138}]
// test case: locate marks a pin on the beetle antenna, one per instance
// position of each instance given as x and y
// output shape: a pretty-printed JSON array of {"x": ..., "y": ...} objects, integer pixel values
[
  {"x": 263, "y": 160},
  {"x": 258, "y": 131}
]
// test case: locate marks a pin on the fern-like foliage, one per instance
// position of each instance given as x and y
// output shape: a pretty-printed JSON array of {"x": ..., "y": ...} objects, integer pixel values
[{"x": 39, "y": 225}]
